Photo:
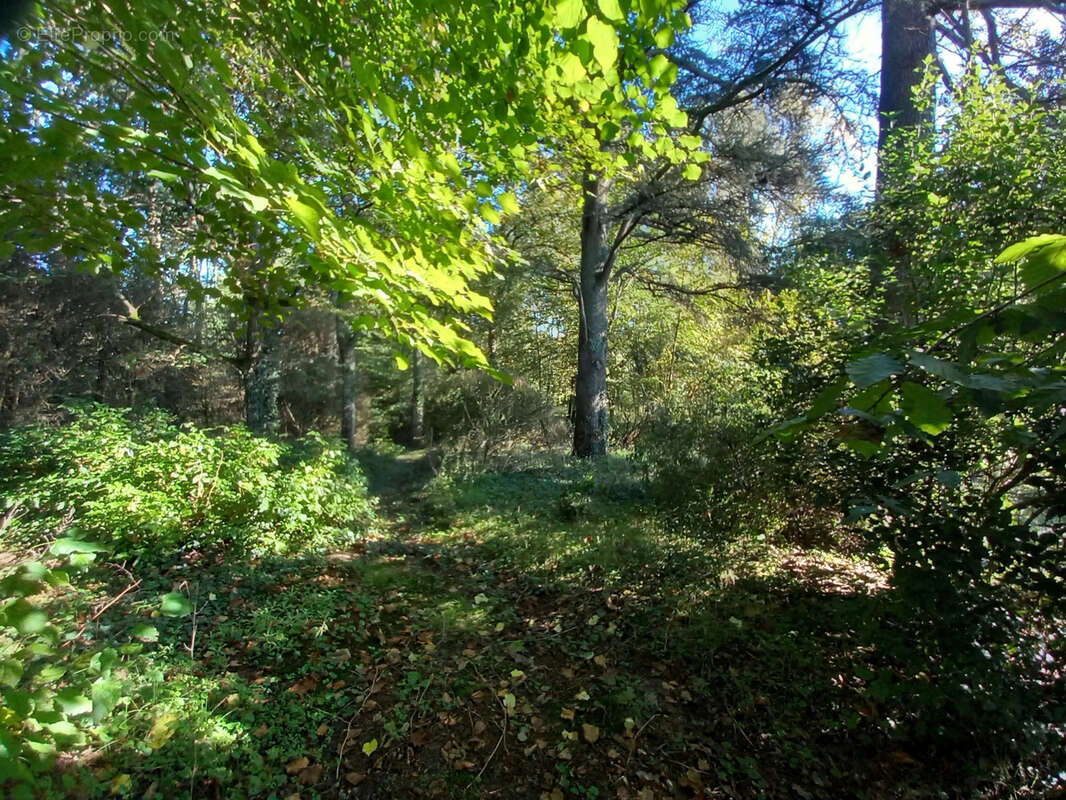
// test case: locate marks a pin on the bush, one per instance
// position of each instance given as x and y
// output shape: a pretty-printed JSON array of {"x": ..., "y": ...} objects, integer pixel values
[{"x": 145, "y": 486}]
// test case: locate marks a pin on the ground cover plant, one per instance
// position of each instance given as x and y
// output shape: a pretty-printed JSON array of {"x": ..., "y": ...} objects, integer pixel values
[{"x": 540, "y": 631}]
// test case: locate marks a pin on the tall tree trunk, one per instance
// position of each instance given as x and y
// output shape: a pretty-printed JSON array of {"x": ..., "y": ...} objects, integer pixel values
[
  {"x": 418, "y": 402},
  {"x": 590, "y": 390},
  {"x": 907, "y": 40},
  {"x": 262, "y": 377},
  {"x": 353, "y": 410}
]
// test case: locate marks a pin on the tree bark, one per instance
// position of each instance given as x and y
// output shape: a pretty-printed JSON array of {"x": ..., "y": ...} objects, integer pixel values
[
  {"x": 418, "y": 403},
  {"x": 353, "y": 433},
  {"x": 590, "y": 390},
  {"x": 262, "y": 377},
  {"x": 906, "y": 41}
]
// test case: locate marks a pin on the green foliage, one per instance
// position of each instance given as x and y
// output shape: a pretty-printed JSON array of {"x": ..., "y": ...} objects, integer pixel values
[
  {"x": 991, "y": 176},
  {"x": 54, "y": 697},
  {"x": 282, "y": 133},
  {"x": 149, "y": 488}
]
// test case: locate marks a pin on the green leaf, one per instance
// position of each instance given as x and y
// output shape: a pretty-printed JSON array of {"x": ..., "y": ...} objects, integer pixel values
[
  {"x": 826, "y": 400},
  {"x": 308, "y": 217},
  {"x": 25, "y": 617},
  {"x": 611, "y": 10},
  {"x": 872, "y": 369},
  {"x": 64, "y": 729},
  {"x": 21, "y": 702},
  {"x": 370, "y": 747},
  {"x": 569, "y": 13},
  {"x": 924, "y": 408},
  {"x": 146, "y": 633},
  {"x": 106, "y": 694},
  {"x": 73, "y": 702},
  {"x": 1018, "y": 251},
  {"x": 664, "y": 37},
  {"x": 175, "y": 604},
  {"x": 10, "y": 672},
  {"x": 692, "y": 172},
  {"x": 604, "y": 40},
  {"x": 51, "y": 673},
  {"x": 508, "y": 202},
  {"x": 64, "y": 547}
]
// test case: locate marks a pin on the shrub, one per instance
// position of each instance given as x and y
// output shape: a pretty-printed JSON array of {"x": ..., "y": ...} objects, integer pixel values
[{"x": 145, "y": 486}]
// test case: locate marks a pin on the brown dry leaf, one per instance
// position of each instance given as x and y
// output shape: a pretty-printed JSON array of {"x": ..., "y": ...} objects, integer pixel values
[
  {"x": 645, "y": 794},
  {"x": 601, "y": 661},
  {"x": 468, "y": 765},
  {"x": 901, "y": 757},
  {"x": 557, "y": 794},
  {"x": 418, "y": 737},
  {"x": 261, "y": 731},
  {"x": 703, "y": 765},
  {"x": 692, "y": 780},
  {"x": 297, "y": 764},
  {"x": 303, "y": 687},
  {"x": 354, "y": 778},
  {"x": 567, "y": 672},
  {"x": 311, "y": 775},
  {"x": 567, "y": 713},
  {"x": 592, "y": 733},
  {"x": 322, "y": 729}
]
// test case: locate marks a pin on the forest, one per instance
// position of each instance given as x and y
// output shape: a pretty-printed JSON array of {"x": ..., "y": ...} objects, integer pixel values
[{"x": 618, "y": 399}]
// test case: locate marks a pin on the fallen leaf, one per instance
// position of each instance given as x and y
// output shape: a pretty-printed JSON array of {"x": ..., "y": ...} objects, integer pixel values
[
  {"x": 162, "y": 729},
  {"x": 311, "y": 775},
  {"x": 354, "y": 778},
  {"x": 261, "y": 731},
  {"x": 322, "y": 729},
  {"x": 297, "y": 764},
  {"x": 592, "y": 733},
  {"x": 582, "y": 695},
  {"x": 370, "y": 747},
  {"x": 303, "y": 687},
  {"x": 418, "y": 737},
  {"x": 567, "y": 713}
]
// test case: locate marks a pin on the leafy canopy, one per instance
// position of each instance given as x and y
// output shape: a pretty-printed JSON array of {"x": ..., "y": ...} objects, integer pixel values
[{"x": 371, "y": 142}]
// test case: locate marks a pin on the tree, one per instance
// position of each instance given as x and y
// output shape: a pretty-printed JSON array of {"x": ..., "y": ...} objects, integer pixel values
[
  {"x": 772, "y": 49},
  {"x": 419, "y": 136},
  {"x": 914, "y": 34}
]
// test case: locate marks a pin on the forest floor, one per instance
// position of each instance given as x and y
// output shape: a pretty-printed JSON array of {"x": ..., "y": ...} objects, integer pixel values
[{"x": 537, "y": 633}]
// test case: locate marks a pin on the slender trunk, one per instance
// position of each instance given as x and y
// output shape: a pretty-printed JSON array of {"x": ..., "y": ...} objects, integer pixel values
[
  {"x": 262, "y": 377},
  {"x": 590, "y": 389},
  {"x": 418, "y": 402},
  {"x": 352, "y": 409}
]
